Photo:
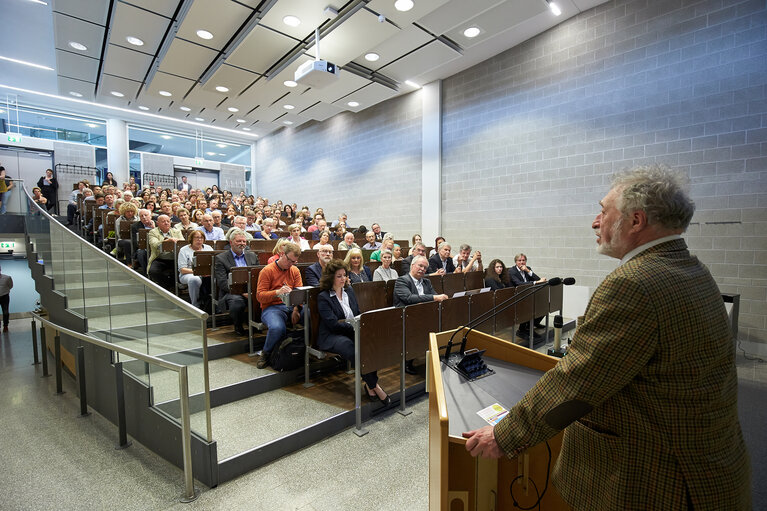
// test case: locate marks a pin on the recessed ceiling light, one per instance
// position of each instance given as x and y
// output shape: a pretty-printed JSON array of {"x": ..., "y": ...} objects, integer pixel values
[
  {"x": 75, "y": 94},
  {"x": 77, "y": 46},
  {"x": 166, "y": 137},
  {"x": 353, "y": 103},
  {"x": 221, "y": 88},
  {"x": 555, "y": 9},
  {"x": 287, "y": 122},
  {"x": 91, "y": 125},
  {"x": 204, "y": 34},
  {"x": 185, "y": 108},
  {"x": 372, "y": 57},
  {"x": 289, "y": 83},
  {"x": 211, "y": 154},
  {"x": 144, "y": 108},
  {"x": 403, "y": 5},
  {"x": 241, "y": 120},
  {"x": 221, "y": 154},
  {"x": 134, "y": 40},
  {"x": 412, "y": 84},
  {"x": 288, "y": 107},
  {"x": 117, "y": 94},
  {"x": 471, "y": 32},
  {"x": 164, "y": 93},
  {"x": 245, "y": 129},
  {"x": 232, "y": 109},
  {"x": 221, "y": 145},
  {"x": 291, "y": 21},
  {"x": 199, "y": 119}
]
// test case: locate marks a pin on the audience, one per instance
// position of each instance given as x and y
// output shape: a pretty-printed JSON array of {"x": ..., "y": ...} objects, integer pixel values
[
  {"x": 441, "y": 262},
  {"x": 464, "y": 261},
  {"x": 314, "y": 272},
  {"x": 357, "y": 271},
  {"x": 497, "y": 275},
  {"x": 385, "y": 271},
  {"x": 211, "y": 232},
  {"x": 348, "y": 242},
  {"x": 371, "y": 244},
  {"x": 237, "y": 255},
  {"x": 161, "y": 268},
  {"x": 266, "y": 231},
  {"x": 295, "y": 236},
  {"x": 186, "y": 274}
]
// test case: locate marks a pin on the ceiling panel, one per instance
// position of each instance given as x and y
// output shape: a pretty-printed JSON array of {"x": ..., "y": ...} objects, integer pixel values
[
  {"x": 420, "y": 9},
  {"x": 126, "y": 63},
  {"x": 69, "y": 29},
  {"x": 421, "y": 60},
  {"x": 200, "y": 96},
  {"x": 366, "y": 97},
  {"x": 187, "y": 59},
  {"x": 69, "y": 84},
  {"x": 261, "y": 49},
  {"x": 455, "y": 13},
  {"x": 153, "y": 102},
  {"x": 498, "y": 19},
  {"x": 95, "y": 12},
  {"x": 221, "y": 18},
  {"x": 403, "y": 42},
  {"x": 165, "y": 8},
  {"x": 77, "y": 66},
  {"x": 234, "y": 78},
  {"x": 321, "y": 111},
  {"x": 347, "y": 82},
  {"x": 308, "y": 11},
  {"x": 132, "y": 21},
  {"x": 174, "y": 84},
  {"x": 111, "y": 83},
  {"x": 294, "y": 120},
  {"x": 362, "y": 30}
]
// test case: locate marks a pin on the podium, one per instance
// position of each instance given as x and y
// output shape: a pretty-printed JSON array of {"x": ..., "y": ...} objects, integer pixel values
[{"x": 459, "y": 482}]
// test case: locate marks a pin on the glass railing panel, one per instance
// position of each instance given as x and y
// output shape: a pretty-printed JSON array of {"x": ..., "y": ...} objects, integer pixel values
[{"x": 95, "y": 281}]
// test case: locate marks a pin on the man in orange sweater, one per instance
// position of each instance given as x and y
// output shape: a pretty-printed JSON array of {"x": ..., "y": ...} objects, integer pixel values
[{"x": 274, "y": 282}]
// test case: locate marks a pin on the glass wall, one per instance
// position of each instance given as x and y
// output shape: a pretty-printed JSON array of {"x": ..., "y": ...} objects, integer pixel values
[
  {"x": 37, "y": 122},
  {"x": 196, "y": 145}
]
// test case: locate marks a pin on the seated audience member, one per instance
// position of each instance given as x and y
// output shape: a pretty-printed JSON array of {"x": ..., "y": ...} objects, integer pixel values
[
  {"x": 251, "y": 224},
  {"x": 386, "y": 244},
  {"x": 324, "y": 238},
  {"x": 418, "y": 249},
  {"x": 128, "y": 212},
  {"x": 99, "y": 199},
  {"x": 437, "y": 241},
  {"x": 314, "y": 272},
  {"x": 217, "y": 217},
  {"x": 315, "y": 224},
  {"x": 521, "y": 274},
  {"x": 274, "y": 281},
  {"x": 266, "y": 231},
  {"x": 441, "y": 262},
  {"x": 341, "y": 220},
  {"x": 464, "y": 261},
  {"x": 166, "y": 208},
  {"x": 228, "y": 219},
  {"x": 48, "y": 185},
  {"x": 412, "y": 288},
  {"x": 497, "y": 275},
  {"x": 186, "y": 274},
  {"x": 358, "y": 272},
  {"x": 277, "y": 251},
  {"x": 237, "y": 255},
  {"x": 197, "y": 215},
  {"x": 278, "y": 222},
  {"x": 288, "y": 213},
  {"x": 371, "y": 244},
  {"x": 295, "y": 236},
  {"x": 385, "y": 271},
  {"x": 339, "y": 233},
  {"x": 140, "y": 255},
  {"x": 416, "y": 239},
  {"x": 348, "y": 242},
  {"x": 37, "y": 196},
  {"x": 379, "y": 234},
  {"x": 161, "y": 268},
  {"x": 72, "y": 204},
  {"x": 396, "y": 253},
  {"x": 240, "y": 223},
  {"x": 184, "y": 223},
  {"x": 210, "y": 231},
  {"x": 337, "y": 303},
  {"x": 320, "y": 227}
]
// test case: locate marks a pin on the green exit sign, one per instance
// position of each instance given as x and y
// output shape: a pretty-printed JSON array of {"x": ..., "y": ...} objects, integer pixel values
[
  {"x": 15, "y": 138},
  {"x": 198, "y": 161},
  {"x": 7, "y": 245}
]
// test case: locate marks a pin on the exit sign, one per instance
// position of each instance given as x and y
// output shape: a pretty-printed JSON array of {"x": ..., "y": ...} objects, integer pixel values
[
  {"x": 15, "y": 138},
  {"x": 7, "y": 245},
  {"x": 198, "y": 161}
]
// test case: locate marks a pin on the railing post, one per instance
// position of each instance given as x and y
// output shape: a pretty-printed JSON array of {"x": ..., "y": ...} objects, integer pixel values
[
  {"x": 44, "y": 349},
  {"x": 190, "y": 494},
  {"x": 123, "y": 433},
  {"x": 34, "y": 344},
  {"x": 402, "y": 390},
  {"x": 57, "y": 354},
  {"x": 81, "y": 381},
  {"x": 307, "y": 341},
  {"x": 358, "y": 429}
]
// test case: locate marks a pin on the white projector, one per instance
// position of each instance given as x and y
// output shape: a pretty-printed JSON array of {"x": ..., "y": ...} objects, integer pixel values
[{"x": 316, "y": 73}]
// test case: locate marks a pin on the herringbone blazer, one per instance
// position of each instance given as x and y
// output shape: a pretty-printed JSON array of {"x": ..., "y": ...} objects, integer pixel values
[{"x": 647, "y": 393}]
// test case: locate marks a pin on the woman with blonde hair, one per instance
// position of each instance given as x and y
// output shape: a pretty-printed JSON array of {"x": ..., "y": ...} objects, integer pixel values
[
  {"x": 358, "y": 272},
  {"x": 295, "y": 237}
]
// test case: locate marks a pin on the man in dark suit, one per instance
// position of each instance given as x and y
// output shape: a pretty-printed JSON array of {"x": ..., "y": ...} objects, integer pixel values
[
  {"x": 378, "y": 232},
  {"x": 322, "y": 224},
  {"x": 647, "y": 394},
  {"x": 441, "y": 262},
  {"x": 140, "y": 255},
  {"x": 521, "y": 273},
  {"x": 413, "y": 288},
  {"x": 419, "y": 249},
  {"x": 314, "y": 272},
  {"x": 225, "y": 261}
]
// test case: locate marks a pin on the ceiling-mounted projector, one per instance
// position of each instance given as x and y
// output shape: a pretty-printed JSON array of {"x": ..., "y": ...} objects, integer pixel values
[{"x": 316, "y": 73}]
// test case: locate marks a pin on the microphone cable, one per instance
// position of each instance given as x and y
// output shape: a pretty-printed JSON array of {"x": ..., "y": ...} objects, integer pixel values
[{"x": 539, "y": 496}]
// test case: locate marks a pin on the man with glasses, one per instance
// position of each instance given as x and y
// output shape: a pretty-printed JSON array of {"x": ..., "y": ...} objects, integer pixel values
[
  {"x": 237, "y": 255},
  {"x": 274, "y": 282},
  {"x": 314, "y": 272}
]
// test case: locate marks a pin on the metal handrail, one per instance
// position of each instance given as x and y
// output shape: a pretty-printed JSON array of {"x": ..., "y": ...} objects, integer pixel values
[{"x": 183, "y": 387}]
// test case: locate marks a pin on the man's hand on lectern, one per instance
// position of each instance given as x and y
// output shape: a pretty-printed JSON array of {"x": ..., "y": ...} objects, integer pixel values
[{"x": 481, "y": 442}]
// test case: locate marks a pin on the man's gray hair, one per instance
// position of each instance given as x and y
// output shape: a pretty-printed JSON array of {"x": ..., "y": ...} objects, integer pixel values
[
  {"x": 443, "y": 245},
  {"x": 658, "y": 191},
  {"x": 466, "y": 246},
  {"x": 388, "y": 236},
  {"x": 269, "y": 221},
  {"x": 420, "y": 244},
  {"x": 234, "y": 232},
  {"x": 418, "y": 258},
  {"x": 387, "y": 251}
]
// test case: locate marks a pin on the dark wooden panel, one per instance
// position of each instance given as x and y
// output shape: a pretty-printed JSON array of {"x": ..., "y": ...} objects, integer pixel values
[
  {"x": 505, "y": 319},
  {"x": 452, "y": 283},
  {"x": 474, "y": 280},
  {"x": 397, "y": 265},
  {"x": 542, "y": 301},
  {"x": 525, "y": 310},
  {"x": 380, "y": 339},
  {"x": 479, "y": 304},
  {"x": 436, "y": 282},
  {"x": 314, "y": 314},
  {"x": 420, "y": 320},
  {"x": 370, "y": 295},
  {"x": 454, "y": 313},
  {"x": 390, "y": 292}
]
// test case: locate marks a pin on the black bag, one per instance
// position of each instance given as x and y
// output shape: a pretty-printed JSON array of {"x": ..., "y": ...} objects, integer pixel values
[{"x": 289, "y": 354}]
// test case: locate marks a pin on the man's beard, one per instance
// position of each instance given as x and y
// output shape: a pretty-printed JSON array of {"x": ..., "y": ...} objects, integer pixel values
[{"x": 611, "y": 248}]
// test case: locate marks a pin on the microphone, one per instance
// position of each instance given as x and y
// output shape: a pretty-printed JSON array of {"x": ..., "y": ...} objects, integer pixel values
[{"x": 557, "y": 350}]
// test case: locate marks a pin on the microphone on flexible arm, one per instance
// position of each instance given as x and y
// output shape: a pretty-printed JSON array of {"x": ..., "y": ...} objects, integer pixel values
[{"x": 473, "y": 358}]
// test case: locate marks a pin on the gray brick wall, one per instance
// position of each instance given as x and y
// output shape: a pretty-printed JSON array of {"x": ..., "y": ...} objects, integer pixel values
[
  {"x": 531, "y": 136},
  {"x": 367, "y": 165}
]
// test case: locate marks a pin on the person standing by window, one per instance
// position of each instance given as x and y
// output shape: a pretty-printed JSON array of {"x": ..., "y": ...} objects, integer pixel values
[
  {"x": 48, "y": 186},
  {"x": 6, "y": 283}
]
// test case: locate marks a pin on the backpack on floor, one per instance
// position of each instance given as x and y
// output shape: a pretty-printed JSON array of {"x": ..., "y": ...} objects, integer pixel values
[{"x": 289, "y": 354}]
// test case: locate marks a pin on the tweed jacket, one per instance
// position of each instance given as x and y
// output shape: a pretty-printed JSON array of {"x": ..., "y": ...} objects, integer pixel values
[
  {"x": 647, "y": 393},
  {"x": 154, "y": 239},
  {"x": 223, "y": 266}
]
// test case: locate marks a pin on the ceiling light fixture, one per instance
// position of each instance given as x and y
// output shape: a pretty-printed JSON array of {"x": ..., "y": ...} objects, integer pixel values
[
  {"x": 164, "y": 93},
  {"x": 289, "y": 83},
  {"x": 353, "y": 104},
  {"x": 555, "y": 9},
  {"x": 91, "y": 125},
  {"x": 75, "y": 94},
  {"x": 144, "y": 108},
  {"x": 199, "y": 119},
  {"x": 233, "y": 109},
  {"x": 221, "y": 154},
  {"x": 135, "y": 41},
  {"x": 221, "y": 145},
  {"x": 204, "y": 34},
  {"x": 77, "y": 46},
  {"x": 412, "y": 84},
  {"x": 287, "y": 122},
  {"x": 210, "y": 153},
  {"x": 471, "y": 32},
  {"x": 288, "y": 107},
  {"x": 241, "y": 120},
  {"x": 185, "y": 108},
  {"x": 291, "y": 21},
  {"x": 166, "y": 137},
  {"x": 25, "y": 63},
  {"x": 221, "y": 88},
  {"x": 372, "y": 57},
  {"x": 39, "y": 2},
  {"x": 245, "y": 129},
  {"x": 403, "y": 5},
  {"x": 117, "y": 94}
]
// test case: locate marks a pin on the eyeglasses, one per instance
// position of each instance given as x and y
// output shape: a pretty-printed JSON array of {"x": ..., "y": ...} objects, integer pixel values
[{"x": 292, "y": 261}]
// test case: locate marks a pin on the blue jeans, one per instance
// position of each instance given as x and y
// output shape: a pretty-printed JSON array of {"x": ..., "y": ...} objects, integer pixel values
[
  {"x": 275, "y": 317},
  {"x": 4, "y": 197}
]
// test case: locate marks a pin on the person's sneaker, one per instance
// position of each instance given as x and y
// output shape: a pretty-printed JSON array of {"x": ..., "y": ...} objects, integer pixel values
[
  {"x": 5, "y": 328},
  {"x": 263, "y": 360}
]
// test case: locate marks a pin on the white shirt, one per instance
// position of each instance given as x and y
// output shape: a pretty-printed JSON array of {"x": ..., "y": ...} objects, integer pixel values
[
  {"x": 474, "y": 267},
  {"x": 641, "y": 248},
  {"x": 418, "y": 284},
  {"x": 344, "y": 301},
  {"x": 186, "y": 256}
]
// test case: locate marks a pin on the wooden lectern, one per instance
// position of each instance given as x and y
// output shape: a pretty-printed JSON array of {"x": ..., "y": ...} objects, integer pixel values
[{"x": 458, "y": 482}]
